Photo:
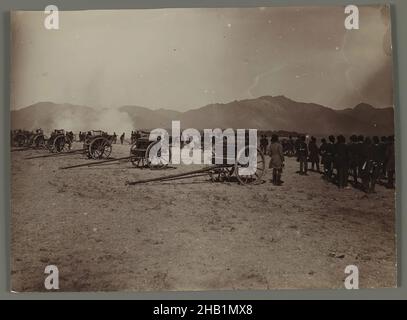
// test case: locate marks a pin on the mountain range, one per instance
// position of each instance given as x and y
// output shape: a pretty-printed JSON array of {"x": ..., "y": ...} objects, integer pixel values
[{"x": 263, "y": 113}]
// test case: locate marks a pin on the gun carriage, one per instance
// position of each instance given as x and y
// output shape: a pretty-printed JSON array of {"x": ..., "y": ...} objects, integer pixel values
[
  {"x": 228, "y": 170},
  {"x": 58, "y": 142},
  {"x": 97, "y": 145}
]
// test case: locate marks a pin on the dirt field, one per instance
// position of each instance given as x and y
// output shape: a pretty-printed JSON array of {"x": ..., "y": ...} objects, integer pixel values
[{"x": 192, "y": 234}]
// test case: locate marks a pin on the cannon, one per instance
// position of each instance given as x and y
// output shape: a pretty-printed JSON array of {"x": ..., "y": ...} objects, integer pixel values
[
  {"x": 58, "y": 142},
  {"x": 28, "y": 139},
  {"x": 227, "y": 166},
  {"x": 38, "y": 140},
  {"x": 224, "y": 172},
  {"x": 140, "y": 151},
  {"x": 20, "y": 138},
  {"x": 97, "y": 144}
]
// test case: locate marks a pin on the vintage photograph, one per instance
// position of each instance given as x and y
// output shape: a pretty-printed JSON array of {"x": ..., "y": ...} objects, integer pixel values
[{"x": 195, "y": 149}]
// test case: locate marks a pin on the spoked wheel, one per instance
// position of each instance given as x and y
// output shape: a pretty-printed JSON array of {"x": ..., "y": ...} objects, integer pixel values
[
  {"x": 20, "y": 140},
  {"x": 253, "y": 171},
  {"x": 138, "y": 158},
  {"x": 59, "y": 144},
  {"x": 160, "y": 160},
  {"x": 100, "y": 148},
  {"x": 39, "y": 141}
]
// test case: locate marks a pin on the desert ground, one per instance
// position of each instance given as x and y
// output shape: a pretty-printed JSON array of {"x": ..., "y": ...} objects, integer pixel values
[{"x": 192, "y": 234}]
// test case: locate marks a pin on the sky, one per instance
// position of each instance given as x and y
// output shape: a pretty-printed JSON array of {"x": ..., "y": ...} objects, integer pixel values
[{"x": 184, "y": 59}]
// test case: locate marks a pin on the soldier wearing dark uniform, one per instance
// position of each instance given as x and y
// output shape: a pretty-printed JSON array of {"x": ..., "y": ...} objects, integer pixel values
[
  {"x": 263, "y": 144},
  {"x": 88, "y": 135},
  {"x": 322, "y": 153},
  {"x": 122, "y": 138},
  {"x": 341, "y": 161},
  {"x": 366, "y": 169},
  {"x": 302, "y": 155},
  {"x": 375, "y": 164},
  {"x": 330, "y": 154},
  {"x": 313, "y": 154},
  {"x": 354, "y": 154},
  {"x": 361, "y": 153},
  {"x": 390, "y": 162},
  {"x": 383, "y": 147}
]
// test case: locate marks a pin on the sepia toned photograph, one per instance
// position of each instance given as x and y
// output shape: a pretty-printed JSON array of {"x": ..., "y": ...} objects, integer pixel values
[{"x": 196, "y": 149}]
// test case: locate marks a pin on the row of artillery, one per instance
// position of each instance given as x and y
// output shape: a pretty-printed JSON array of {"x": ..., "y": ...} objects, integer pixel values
[{"x": 98, "y": 146}]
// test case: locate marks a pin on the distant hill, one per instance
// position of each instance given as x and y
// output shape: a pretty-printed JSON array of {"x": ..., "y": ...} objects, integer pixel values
[
  {"x": 263, "y": 113},
  {"x": 49, "y": 116}
]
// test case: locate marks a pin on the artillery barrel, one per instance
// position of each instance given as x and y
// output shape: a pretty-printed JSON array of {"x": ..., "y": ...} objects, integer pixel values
[
  {"x": 89, "y": 164},
  {"x": 185, "y": 175}
]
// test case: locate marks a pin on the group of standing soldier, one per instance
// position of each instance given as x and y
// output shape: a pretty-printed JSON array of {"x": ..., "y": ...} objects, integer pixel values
[{"x": 366, "y": 160}]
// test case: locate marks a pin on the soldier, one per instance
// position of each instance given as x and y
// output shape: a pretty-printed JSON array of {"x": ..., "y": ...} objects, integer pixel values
[
  {"x": 291, "y": 147},
  {"x": 376, "y": 164},
  {"x": 263, "y": 144},
  {"x": 122, "y": 138},
  {"x": 354, "y": 155},
  {"x": 277, "y": 159},
  {"x": 70, "y": 137},
  {"x": 322, "y": 152},
  {"x": 367, "y": 150},
  {"x": 361, "y": 152},
  {"x": 330, "y": 154},
  {"x": 137, "y": 135},
  {"x": 88, "y": 136},
  {"x": 314, "y": 154},
  {"x": 383, "y": 149},
  {"x": 302, "y": 155},
  {"x": 341, "y": 161},
  {"x": 284, "y": 144},
  {"x": 390, "y": 162}
]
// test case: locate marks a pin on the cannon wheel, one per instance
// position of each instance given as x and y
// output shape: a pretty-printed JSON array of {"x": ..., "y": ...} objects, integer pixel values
[
  {"x": 100, "y": 148},
  {"x": 20, "y": 140},
  {"x": 255, "y": 178},
  {"x": 58, "y": 144},
  {"x": 160, "y": 162},
  {"x": 136, "y": 159},
  {"x": 39, "y": 141}
]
